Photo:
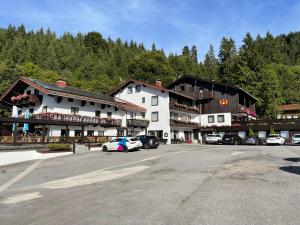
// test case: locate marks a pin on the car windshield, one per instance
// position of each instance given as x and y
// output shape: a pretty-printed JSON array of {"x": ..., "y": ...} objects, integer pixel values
[
  {"x": 273, "y": 135},
  {"x": 228, "y": 135},
  {"x": 213, "y": 135},
  {"x": 132, "y": 139},
  {"x": 297, "y": 136}
]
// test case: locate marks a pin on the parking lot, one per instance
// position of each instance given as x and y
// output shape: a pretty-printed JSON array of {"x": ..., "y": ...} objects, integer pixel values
[{"x": 175, "y": 184}]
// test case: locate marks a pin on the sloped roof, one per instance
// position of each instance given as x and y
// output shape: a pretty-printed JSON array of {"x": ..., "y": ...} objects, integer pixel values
[
  {"x": 182, "y": 78},
  {"x": 71, "y": 90},
  {"x": 163, "y": 89},
  {"x": 76, "y": 93}
]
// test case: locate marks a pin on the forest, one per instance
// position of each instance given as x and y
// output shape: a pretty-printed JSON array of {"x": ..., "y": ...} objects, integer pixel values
[{"x": 266, "y": 66}]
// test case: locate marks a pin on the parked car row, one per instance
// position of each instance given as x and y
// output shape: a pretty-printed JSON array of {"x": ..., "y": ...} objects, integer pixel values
[
  {"x": 126, "y": 144},
  {"x": 234, "y": 139}
]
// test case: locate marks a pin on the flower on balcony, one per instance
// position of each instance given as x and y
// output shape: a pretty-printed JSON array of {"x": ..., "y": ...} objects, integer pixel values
[{"x": 19, "y": 97}]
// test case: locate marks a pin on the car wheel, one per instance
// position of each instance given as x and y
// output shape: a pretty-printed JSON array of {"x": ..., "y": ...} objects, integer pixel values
[
  {"x": 235, "y": 142},
  {"x": 104, "y": 149},
  {"x": 147, "y": 146}
]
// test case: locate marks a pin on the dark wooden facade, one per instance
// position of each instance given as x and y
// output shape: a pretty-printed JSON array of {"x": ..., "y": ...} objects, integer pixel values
[{"x": 215, "y": 97}]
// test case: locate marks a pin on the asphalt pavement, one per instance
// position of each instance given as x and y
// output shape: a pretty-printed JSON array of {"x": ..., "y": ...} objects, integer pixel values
[{"x": 175, "y": 184}]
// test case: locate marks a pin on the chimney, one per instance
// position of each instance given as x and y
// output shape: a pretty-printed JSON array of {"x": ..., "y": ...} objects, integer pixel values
[
  {"x": 158, "y": 83},
  {"x": 61, "y": 83}
]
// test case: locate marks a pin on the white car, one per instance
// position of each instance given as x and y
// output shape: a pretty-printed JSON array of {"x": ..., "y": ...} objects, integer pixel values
[
  {"x": 213, "y": 139},
  {"x": 275, "y": 139},
  {"x": 114, "y": 145},
  {"x": 296, "y": 139}
]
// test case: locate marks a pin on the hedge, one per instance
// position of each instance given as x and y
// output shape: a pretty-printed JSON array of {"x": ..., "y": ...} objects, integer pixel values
[{"x": 58, "y": 147}]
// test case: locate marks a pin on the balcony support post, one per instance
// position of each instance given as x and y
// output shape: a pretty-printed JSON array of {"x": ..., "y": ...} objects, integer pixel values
[
  {"x": 43, "y": 133},
  {"x": 67, "y": 133},
  {"x": 15, "y": 133}
]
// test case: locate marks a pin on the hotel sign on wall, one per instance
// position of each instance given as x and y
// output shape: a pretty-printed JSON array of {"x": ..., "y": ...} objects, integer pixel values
[{"x": 223, "y": 102}]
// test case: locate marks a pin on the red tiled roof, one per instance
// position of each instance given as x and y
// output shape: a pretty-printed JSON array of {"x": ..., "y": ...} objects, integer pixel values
[
  {"x": 127, "y": 106},
  {"x": 75, "y": 93},
  {"x": 290, "y": 107}
]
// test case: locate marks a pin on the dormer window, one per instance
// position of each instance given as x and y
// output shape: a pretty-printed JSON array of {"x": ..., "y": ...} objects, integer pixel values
[
  {"x": 182, "y": 88},
  {"x": 137, "y": 88},
  {"x": 28, "y": 92},
  {"x": 70, "y": 99},
  {"x": 129, "y": 90}
]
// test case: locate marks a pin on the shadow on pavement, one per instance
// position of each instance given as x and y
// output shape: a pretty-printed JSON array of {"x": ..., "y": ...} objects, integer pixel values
[
  {"x": 297, "y": 159},
  {"x": 291, "y": 169}
]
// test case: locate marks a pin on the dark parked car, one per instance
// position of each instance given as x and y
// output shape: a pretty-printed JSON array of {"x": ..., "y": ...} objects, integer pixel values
[
  {"x": 253, "y": 140},
  {"x": 232, "y": 139},
  {"x": 149, "y": 142}
]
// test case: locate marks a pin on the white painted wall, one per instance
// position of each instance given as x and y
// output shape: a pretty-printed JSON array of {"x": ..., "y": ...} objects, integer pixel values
[
  {"x": 204, "y": 120},
  {"x": 162, "y": 108}
]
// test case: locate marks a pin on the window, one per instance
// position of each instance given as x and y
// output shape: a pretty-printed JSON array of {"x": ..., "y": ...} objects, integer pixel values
[
  {"x": 74, "y": 111},
  {"x": 143, "y": 115},
  {"x": 154, "y": 100},
  {"x": 45, "y": 109},
  {"x": 19, "y": 112},
  {"x": 221, "y": 119},
  {"x": 182, "y": 88},
  {"x": 77, "y": 133},
  {"x": 154, "y": 116},
  {"x": 109, "y": 114},
  {"x": 100, "y": 133},
  {"x": 28, "y": 92},
  {"x": 31, "y": 110},
  {"x": 211, "y": 119},
  {"x": 98, "y": 113},
  {"x": 132, "y": 115},
  {"x": 63, "y": 132},
  {"x": 129, "y": 90},
  {"x": 137, "y": 88},
  {"x": 90, "y": 133},
  {"x": 143, "y": 100},
  {"x": 92, "y": 103},
  {"x": 189, "y": 118},
  {"x": 70, "y": 99},
  {"x": 174, "y": 116}
]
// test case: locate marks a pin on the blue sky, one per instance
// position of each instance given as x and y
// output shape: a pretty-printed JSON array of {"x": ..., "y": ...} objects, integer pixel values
[{"x": 171, "y": 24}]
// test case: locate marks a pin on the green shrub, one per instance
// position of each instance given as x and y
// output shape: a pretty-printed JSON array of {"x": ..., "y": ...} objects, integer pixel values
[
  {"x": 59, "y": 147},
  {"x": 272, "y": 131},
  {"x": 251, "y": 132}
]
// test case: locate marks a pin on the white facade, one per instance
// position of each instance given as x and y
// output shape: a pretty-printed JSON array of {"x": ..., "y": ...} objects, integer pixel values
[
  {"x": 50, "y": 105},
  {"x": 215, "y": 119},
  {"x": 143, "y": 98}
]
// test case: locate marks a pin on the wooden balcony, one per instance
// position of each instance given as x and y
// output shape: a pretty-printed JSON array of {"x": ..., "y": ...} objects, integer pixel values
[
  {"x": 137, "y": 123},
  {"x": 179, "y": 123},
  {"x": 104, "y": 122},
  {"x": 26, "y": 100},
  {"x": 204, "y": 95},
  {"x": 184, "y": 108}
]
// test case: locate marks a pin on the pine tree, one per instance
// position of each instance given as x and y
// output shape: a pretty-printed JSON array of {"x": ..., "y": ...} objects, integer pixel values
[{"x": 227, "y": 60}]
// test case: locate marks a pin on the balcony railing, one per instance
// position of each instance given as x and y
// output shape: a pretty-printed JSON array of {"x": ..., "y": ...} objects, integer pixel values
[
  {"x": 184, "y": 108},
  {"x": 24, "y": 99},
  {"x": 138, "y": 122},
  {"x": 106, "y": 122},
  {"x": 204, "y": 95},
  {"x": 180, "y": 123}
]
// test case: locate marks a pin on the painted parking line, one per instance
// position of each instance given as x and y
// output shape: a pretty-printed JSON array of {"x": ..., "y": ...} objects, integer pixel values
[
  {"x": 20, "y": 175},
  {"x": 22, "y": 198},
  {"x": 92, "y": 178}
]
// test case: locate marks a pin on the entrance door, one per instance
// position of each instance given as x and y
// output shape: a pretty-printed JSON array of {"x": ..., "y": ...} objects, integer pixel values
[{"x": 187, "y": 135}]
